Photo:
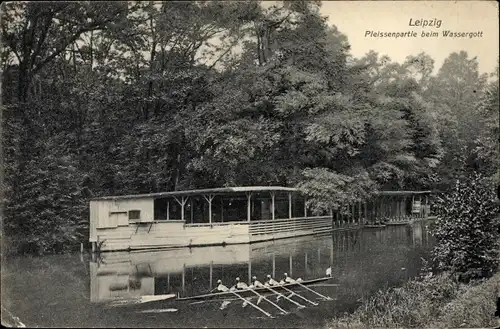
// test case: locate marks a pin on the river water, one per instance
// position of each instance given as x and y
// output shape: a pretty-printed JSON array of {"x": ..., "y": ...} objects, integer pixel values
[{"x": 81, "y": 290}]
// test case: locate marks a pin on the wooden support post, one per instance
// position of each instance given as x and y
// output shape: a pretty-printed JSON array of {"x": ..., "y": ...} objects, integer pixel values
[
  {"x": 426, "y": 205},
  {"x": 290, "y": 205},
  {"x": 412, "y": 203},
  {"x": 305, "y": 206},
  {"x": 184, "y": 200},
  {"x": 182, "y": 203},
  {"x": 385, "y": 208},
  {"x": 191, "y": 209},
  {"x": 381, "y": 215},
  {"x": 421, "y": 207},
  {"x": 391, "y": 208},
  {"x": 360, "y": 213},
  {"x": 94, "y": 244},
  {"x": 403, "y": 208},
  {"x": 290, "y": 265},
  {"x": 331, "y": 253},
  {"x": 222, "y": 208},
  {"x": 366, "y": 210},
  {"x": 249, "y": 206},
  {"x": 273, "y": 194},
  {"x": 183, "y": 278},
  {"x": 209, "y": 199},
  {"x": 379, "y": 209},
  {"x": 168, "y": 210}
]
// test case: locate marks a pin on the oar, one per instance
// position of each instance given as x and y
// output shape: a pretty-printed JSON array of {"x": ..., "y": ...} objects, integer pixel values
[
  {"x": 307, "y": 288},
  {"x": 251, "y": 304},
  {"x": 280, "y": 294},
  {"x": 296, "y": 294},
  {"x": 264, "y": 297}
]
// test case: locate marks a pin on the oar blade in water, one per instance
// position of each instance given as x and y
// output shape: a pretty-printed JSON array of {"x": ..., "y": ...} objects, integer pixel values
[
  {"x": 146, "y": 299},
  {"x": 162, "y": 310}
]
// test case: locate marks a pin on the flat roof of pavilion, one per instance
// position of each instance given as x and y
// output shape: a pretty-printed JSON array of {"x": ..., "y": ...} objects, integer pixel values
[
  {"x": 220, "y": 190},
  {"x": 236, "y": 189},
  {"x": 402, "y": 193}
]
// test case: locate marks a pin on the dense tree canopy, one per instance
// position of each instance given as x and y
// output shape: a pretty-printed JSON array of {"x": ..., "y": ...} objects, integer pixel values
[{"x": 115, "y": 97}]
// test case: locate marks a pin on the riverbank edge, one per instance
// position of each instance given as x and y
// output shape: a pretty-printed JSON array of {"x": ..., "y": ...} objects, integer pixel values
[{"x": 427, "y": 302}]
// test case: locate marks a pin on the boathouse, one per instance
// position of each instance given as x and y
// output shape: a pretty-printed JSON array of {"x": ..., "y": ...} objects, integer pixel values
[{"x": 231, "y": 215}]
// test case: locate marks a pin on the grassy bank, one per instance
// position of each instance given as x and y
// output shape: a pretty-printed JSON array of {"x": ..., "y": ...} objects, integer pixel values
[{"x": 430, "y": 302}]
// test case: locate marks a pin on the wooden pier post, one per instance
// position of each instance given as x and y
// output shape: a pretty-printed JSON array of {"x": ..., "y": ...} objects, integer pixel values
[
  {"x": 183, "y": 278},
  {"x": 289, "y": 205},
  {"x": 412, "y": 205},
  {"x": 274, "y": 266},
  {"x": 250, "y": 271},
  {"x": 211, "y": 273},
  {"x": 249, "y": 206},
  {"x": 305, "y": 264},
  {"x": 94, "y": 246}
]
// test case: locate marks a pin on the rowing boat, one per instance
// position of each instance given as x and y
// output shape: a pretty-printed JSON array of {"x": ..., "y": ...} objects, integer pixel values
[{"x": 261, "y": 290}]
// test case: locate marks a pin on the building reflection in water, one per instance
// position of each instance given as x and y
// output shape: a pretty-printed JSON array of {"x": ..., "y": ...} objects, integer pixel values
[{"x": 356, "y": 256}]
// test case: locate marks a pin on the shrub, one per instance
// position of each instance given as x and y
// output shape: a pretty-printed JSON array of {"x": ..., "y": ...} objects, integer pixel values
[
  {"x": 466, "y": 230},
  {"x": 474, "y": 308},
  {"x": 415, "y": 304}
]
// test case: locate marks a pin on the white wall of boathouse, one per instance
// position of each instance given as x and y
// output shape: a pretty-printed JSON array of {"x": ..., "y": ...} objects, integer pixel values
[{"x": 109, "y": 214}]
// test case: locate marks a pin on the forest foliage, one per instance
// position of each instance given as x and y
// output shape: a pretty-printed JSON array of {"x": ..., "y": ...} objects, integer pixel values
[{"x": 109, "y": 98}]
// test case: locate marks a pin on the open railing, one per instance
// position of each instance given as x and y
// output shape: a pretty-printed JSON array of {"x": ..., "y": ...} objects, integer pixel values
[{"x": 314, "y": 224}]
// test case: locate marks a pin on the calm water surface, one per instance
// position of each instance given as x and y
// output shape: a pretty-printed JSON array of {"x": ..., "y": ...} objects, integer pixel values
[{"x": 78, "y": 290}]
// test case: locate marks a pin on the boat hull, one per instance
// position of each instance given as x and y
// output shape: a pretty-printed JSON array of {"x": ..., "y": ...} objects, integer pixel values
[{"x": 250, "y": 293}]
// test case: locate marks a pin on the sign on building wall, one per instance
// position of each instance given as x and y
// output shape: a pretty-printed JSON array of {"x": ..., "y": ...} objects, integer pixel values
[{"x": 417, "y": 206}]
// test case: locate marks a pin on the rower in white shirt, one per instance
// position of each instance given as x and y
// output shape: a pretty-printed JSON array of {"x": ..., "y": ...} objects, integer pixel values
[
  {"x": 257, "y": 283},
  {"x": 270, "y": 281},
  {"x": 288, "y": 279},
  {"x": 221, "y": 287},
  {"x": 240, "y": 285}
]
